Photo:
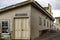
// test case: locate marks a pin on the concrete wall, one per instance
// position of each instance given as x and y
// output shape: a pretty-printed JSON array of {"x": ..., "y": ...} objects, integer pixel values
[
  {"x": 9, "y": 16},
  {"x": 35, "y": 27}
]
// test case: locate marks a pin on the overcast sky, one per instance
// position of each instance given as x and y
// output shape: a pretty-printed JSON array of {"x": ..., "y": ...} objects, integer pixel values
[{"x": 55, "y": 4}]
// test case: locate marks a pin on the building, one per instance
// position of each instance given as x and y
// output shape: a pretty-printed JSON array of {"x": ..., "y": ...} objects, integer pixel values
[
  {"x": 56, "y": 27},
  {"x": 49, "y": 9},
  {"x": 57, "y": 23},
  {"x": 57, "y": 20},
  {"x": 24, "y": 20}
]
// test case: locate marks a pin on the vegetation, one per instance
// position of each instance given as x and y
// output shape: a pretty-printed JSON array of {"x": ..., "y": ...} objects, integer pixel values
[{"x": 1, "y": 37}]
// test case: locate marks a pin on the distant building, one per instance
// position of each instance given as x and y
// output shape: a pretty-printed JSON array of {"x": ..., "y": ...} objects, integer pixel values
[
  {"x": 57, "y": 20},
  {"x": 24, "y": 20},
  {"x": 49, "y": 9},
  {"x": 56, "y": 27},
  {"x": 57, "y": 23}
]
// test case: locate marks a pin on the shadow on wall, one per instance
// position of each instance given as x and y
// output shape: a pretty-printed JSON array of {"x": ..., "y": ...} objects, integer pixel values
[{"x": 45, "y": 33}]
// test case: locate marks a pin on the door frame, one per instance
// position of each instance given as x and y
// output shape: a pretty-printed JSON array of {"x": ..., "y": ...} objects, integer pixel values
[{"x": 13, "y": 26}]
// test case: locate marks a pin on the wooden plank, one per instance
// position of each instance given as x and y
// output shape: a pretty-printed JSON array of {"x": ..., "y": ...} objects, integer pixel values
[{"x": 22, "y": 28}]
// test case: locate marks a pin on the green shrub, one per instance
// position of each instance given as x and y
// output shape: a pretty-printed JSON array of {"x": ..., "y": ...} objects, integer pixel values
[{"x": 1, "y": 37}]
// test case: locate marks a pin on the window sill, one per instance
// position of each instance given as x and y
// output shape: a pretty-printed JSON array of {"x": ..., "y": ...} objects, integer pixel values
[{"x": 5, "y": 33}]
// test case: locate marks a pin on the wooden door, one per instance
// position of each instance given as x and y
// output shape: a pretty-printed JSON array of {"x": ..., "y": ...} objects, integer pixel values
[{"x": 22, "y": 28}]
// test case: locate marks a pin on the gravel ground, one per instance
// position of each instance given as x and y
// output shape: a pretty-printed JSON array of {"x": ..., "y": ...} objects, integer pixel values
[{"x": 49, "y": 35}]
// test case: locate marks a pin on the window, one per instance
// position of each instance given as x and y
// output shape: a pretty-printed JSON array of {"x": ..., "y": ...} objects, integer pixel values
[
  {"x": 47, "y": 24},
  {"x": 46, "y": 17},
  {"x": 59, "y": 21},
  {"x": 40, "y": 21},
  {"x": 44, "y": 22},
  {"x": 4, "y": 26},
  {"x": 50, "y": 25}
]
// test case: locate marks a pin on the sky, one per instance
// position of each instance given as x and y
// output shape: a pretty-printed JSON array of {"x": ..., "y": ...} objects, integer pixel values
[{"x": 54, "y": 3}]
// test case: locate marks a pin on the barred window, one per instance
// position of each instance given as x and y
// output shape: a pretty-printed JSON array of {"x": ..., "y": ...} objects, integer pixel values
[{"x": 4, "y": 26}]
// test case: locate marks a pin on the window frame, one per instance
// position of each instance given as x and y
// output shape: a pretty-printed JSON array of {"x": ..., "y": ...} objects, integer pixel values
[
  {"x": 44, "y": 22},
  {"x": 5, "y": 25},
  {"x": 8, "y": 25}
]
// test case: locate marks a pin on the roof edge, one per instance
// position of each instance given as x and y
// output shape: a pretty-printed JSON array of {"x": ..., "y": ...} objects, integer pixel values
[
  {"x": 15, "y": 5},
  {"x": 44, "y": 10},
  {"x": 27, "y": 2}
]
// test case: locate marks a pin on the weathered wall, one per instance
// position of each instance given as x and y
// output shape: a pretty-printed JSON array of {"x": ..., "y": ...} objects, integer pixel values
[
  {"x": 35, "y": 27},
  {"x": 9, "y": 15}
]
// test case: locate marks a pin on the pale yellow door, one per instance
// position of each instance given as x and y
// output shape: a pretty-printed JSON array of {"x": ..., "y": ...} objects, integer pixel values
[{"x": 22, "y": 28}]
